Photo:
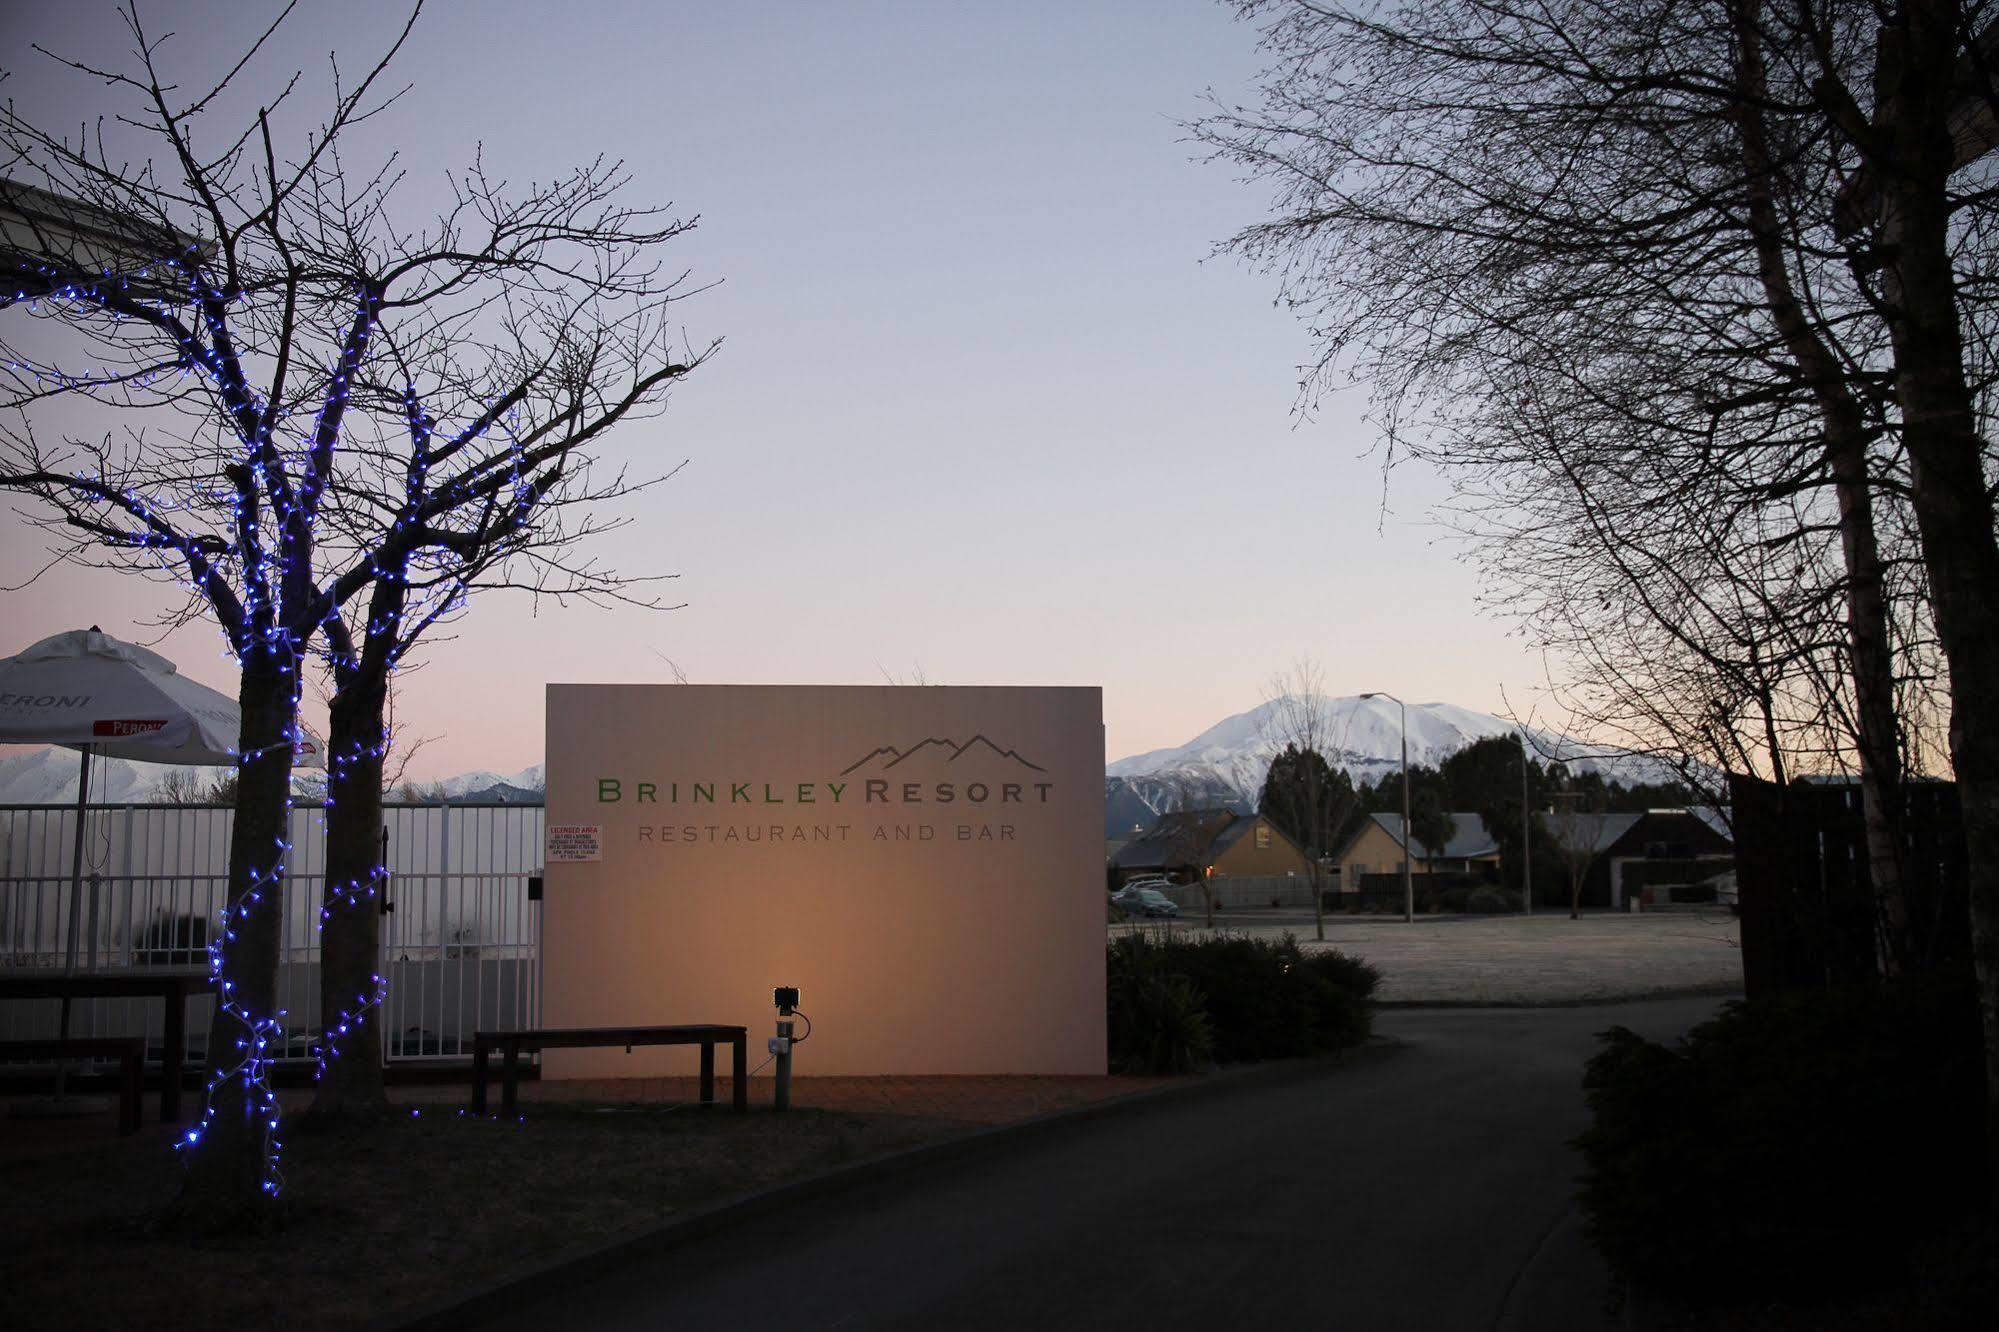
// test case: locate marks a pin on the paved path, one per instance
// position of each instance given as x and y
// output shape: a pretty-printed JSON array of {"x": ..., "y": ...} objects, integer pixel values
[
  {"x": 967, "y": 1100},
  {"x": 1429, "y": 1189}
]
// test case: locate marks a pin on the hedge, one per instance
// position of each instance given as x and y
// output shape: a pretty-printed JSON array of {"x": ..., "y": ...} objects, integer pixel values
[
  {"x": 1261, "y": 1000},
  {"x": 1789, "y": 1147}
]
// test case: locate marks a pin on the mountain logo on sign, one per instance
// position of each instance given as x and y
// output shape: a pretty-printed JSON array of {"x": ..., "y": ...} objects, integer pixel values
[{"x": 885, "y": 757}]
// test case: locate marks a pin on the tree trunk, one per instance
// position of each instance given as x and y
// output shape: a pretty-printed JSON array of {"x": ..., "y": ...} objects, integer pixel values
[
  {"x": 231, "y": 1182},
  {"x": 1954, "y": 515},
  {"x": 1318, "y": 900},
  {"x": 1870, "y": 655},
  {"x": 350, "y": 1087},
  {"x": 1875, "y": 733}
]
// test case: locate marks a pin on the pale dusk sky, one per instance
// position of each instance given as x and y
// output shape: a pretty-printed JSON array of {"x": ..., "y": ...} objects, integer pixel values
[{"x": 986, "y": 412}]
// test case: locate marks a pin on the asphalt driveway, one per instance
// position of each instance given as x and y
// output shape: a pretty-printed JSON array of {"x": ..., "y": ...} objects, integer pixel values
[{"x": 1428, "y": 1189}]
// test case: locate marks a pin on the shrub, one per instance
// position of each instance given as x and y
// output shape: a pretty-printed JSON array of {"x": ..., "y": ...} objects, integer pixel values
[
  {"x": 1158, "y": 1022},
  {"x": 1792, "y": 1145},
  {"x": 1453, "y": 899},
  {"x": 1163, "y": 1027},
  {"x": 172, "y": 939},
  {"x": 1261, "y": 1000},
  {"x": 1955, "y": 1276},
  {"x": 1345, "y": 1003}
]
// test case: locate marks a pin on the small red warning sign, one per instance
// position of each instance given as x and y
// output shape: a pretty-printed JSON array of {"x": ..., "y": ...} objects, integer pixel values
[{"x": 575, "y": 842}]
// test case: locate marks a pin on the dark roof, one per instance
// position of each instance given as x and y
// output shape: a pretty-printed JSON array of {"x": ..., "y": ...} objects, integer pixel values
[
  {"x": 1718, "y": 820},
  {"x": 1189, "y": 837},
  {"x": 1604, "y": 832},
  {"x": 1702, "y": 831},
  {"x": 1595, "y": 833},
  {"x": 1244, "y": 822},
  {"x": 1469, "y": 838},
  {"x": 1177, "y": 837}
]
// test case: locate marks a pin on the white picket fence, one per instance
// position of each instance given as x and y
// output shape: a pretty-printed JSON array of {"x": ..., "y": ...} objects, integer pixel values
[{"x": 460, "y": 947}]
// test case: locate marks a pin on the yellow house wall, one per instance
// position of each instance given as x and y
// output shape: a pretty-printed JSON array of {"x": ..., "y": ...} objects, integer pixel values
[
  {"x": 1243, "y": 858},
  {"x": 1373, "y": 852}
]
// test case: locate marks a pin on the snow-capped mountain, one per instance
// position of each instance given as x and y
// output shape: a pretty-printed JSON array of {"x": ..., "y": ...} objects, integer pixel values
[
  {"x": 48, "y": 777},
  {"x": 531, "y": 778},
  {"x": 1226, "y": 763},
  {"x": 1223, "y": 765}
]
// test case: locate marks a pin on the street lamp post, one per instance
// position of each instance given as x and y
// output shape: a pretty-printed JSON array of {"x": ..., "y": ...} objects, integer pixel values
[{"x": 1408, "y": 835}]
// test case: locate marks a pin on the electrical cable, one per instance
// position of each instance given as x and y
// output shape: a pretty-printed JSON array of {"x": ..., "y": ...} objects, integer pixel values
[{"x": 797, "y": 1040}]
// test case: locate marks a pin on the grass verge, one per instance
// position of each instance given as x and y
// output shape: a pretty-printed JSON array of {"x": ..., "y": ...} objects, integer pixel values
[{"x": 377, "y": 1220}]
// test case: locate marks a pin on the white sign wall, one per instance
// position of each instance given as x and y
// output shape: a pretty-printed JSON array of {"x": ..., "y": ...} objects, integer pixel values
[{"x": 924, "y": 863}]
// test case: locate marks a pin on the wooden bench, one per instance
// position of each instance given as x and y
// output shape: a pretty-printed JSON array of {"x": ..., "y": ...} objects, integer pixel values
[
  {"x": 510, "y": 1044},
  {"x": 130, "y": 1052}
]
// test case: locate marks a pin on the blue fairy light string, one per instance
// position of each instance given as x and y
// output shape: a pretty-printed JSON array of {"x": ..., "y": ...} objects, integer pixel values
[
  {"x": 271, "y": 523},
  {"x": 265, "y": 577}
]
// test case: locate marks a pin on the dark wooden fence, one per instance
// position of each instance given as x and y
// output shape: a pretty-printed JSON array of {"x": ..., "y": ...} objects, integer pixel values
[{"x": 1809, "y": 915}]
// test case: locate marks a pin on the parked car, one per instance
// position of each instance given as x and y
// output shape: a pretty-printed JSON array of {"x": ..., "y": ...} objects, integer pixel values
[{"x": 1143, "y": 901}]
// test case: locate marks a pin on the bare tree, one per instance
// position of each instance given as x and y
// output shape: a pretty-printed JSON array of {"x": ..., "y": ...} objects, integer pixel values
[
  {"x": 1916, "y": 240},
  {"x": 1186, "y": 836},
  {"x": 400, "y": 748},
  {"x": 501, "y": 502},
  {"x": 1308, "y": 797},
  {"x": 1652, "y": 307},
  {"x": 325, "y": 407},
  {"x": 179, "y": 786},
  {"x": 1575, "y": 821},
  {"x": 224, "y": 790},
  {"x": 1732, "y": 228}
]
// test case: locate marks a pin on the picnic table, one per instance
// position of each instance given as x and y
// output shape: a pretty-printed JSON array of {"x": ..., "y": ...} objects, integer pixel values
[
  {"x": 129, "y": 1051},
  {"x": 171, "y": 988}
]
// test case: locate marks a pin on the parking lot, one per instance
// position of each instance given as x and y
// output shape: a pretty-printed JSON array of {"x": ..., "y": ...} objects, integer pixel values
[{"x": 1543, "y": 958}]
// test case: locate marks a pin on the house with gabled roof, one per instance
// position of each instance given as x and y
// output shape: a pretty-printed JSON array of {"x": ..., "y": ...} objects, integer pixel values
[
  {"x": 1614, "y": 840},
  {"x": 1189, "y": 845},
  {"x": 1609, "y": 840},
  {"x": 1378, "y": 847}
]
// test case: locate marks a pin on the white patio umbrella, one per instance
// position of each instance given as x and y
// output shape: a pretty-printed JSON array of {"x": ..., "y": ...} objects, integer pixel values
[{"x": 91, "y": 692}]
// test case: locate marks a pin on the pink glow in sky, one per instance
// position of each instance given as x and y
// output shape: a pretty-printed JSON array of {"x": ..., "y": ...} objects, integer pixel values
[{"x": 983, "y": 415}]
